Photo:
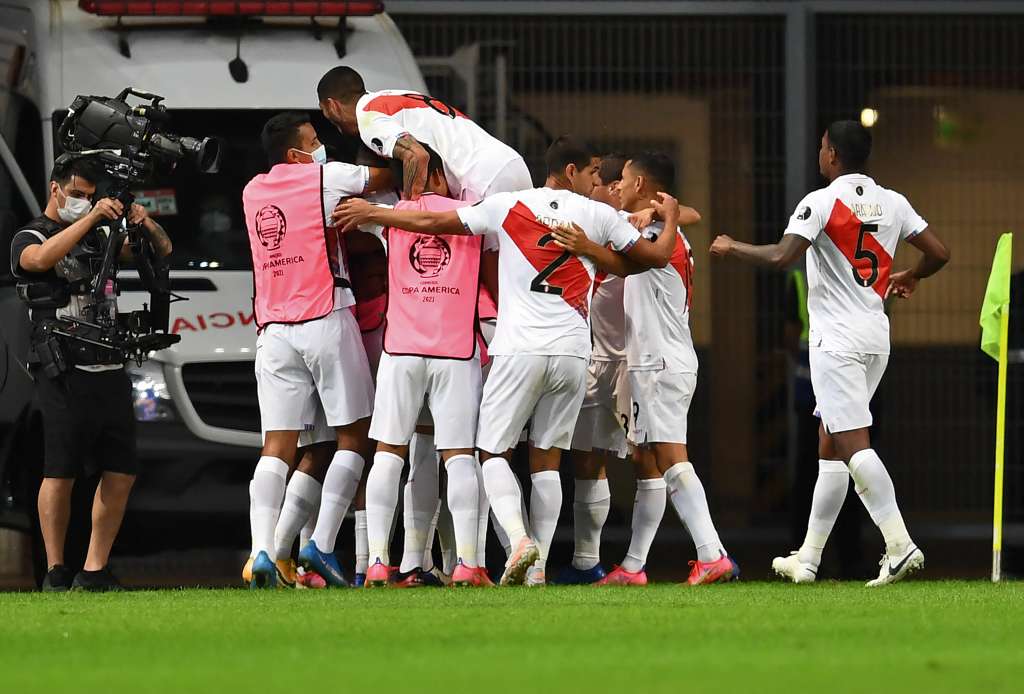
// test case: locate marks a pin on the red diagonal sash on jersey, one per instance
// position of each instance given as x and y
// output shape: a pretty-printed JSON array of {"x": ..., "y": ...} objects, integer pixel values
[
  {"x": 390, "y": 104},
  {"x": 871, "y": 262},
  {"x": 559, "y": 272},
  {"x": 682, "y": 261}
]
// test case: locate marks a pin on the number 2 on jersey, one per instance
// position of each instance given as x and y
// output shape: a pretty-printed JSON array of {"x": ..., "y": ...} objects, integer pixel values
[
  {"x": 539, "y": 283},
  {"x": 862, "y": 253}
]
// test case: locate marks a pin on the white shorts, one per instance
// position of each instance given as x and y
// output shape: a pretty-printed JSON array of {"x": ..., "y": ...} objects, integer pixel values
[
  {"x": 661, "y": 402},
  {"x": 844, "y": 383},
  {"x": 547, "y": 391},
  {"x": 301, "y": 366},
  {"x": 605, "y": 413},
  {"x": 451, "y": 388}
]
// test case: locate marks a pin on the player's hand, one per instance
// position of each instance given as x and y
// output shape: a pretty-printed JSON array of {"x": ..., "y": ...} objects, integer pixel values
[
  {"x": 107, "y": 208},
  {"x": 901, "y": 285},
  {"x": 571, "y": 238},
  {"x": 642, "y": 219},
  {"x": 137, "y": 214},
  {"x": 721, "y": 245},
  {"x": 666, "y": 206},
  {"x": 350, "y": 213}
]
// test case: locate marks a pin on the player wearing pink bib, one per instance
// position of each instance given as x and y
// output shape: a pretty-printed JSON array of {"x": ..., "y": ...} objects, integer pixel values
[
  {"x": 852, "y": 228},
  {"x": 542, "y": 342}
]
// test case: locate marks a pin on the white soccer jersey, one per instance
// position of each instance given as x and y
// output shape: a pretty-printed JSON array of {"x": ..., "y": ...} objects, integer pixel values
[
  {"x": 657, "y": 306},
  {"x": 340, "y": 180},
  {"x": 544, "y": 300},
  {"x": 472, "y": 158},
  {"x": 608, "y": 319},
  {"x": 854, "y": 226}
]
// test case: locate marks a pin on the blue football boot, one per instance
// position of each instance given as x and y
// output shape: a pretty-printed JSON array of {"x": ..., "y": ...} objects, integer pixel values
[
  {"x": 324, "y": 563},
  {"x": 264, "y": 572}
]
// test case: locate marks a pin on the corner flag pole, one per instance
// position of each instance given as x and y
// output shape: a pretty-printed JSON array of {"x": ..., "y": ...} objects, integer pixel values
[{"x": 997, "y": 506}]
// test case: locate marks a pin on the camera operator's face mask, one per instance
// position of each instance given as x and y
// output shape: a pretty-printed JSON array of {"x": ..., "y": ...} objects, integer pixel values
[
  {"x": 73, "y": 209},
  {"x": 319, "y": 154}
]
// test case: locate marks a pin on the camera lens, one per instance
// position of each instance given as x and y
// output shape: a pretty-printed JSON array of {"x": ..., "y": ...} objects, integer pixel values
[{"x": 205, "y": 153}]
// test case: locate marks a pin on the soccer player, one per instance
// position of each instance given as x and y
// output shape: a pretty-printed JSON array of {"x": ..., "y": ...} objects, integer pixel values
[
  {"x": 308, "y": 349},
  {"x": 541, "y": 344},
  {"x": 396, "y": 124},
  {"x": 430, "y": 353},
  {"x": 852, "y": 227},
  {"x": 662, "y": 367}
]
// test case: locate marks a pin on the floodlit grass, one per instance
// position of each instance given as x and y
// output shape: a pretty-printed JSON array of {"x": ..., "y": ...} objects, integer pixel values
[{"x": 752, "y": 637}]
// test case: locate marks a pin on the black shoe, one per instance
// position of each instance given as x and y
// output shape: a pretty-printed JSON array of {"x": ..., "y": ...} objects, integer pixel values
[
  {"x": 58, "y": 579},
  {"x": 101, "y": 581},
  {"x": 416, "y": 578}
]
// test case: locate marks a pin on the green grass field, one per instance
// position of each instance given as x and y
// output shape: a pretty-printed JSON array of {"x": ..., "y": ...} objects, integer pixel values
[{"x": 744, "y": 637}]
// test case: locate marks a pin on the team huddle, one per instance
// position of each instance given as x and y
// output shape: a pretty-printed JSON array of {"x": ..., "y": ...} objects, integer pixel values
[{"x": 473, "y": 312}]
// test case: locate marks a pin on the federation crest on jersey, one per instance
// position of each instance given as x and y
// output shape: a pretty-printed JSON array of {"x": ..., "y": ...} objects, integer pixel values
[
  {"x": 271, "y": 226},
  {"x": 805, "y": 214},
  {"x": 430, "y": 255}
]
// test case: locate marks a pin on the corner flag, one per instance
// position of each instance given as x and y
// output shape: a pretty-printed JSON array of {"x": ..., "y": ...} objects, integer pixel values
[{"x": 995, "y": 322}]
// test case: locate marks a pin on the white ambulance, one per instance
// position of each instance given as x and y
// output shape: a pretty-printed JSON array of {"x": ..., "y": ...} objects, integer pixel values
[{"x": 222, "y": 73}]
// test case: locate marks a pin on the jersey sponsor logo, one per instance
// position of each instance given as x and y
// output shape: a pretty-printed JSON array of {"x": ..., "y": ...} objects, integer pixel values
[
  {"x": 558, "y": 272},
  {"x": 430, "y": 255},
  {"x": 390, "y": 104},
  {"x": 271, "y": 226},
  {"x": 855, "y": 240}
]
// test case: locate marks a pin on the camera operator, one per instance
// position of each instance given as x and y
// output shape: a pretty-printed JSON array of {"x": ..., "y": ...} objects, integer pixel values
[{"x": 83, "y": 393}]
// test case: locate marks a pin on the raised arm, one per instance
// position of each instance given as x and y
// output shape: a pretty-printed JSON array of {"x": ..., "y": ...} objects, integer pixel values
[
  {"x": 414, "y": 166},
  {"x": 657, "y": 254},
  {"x": 777, "y": 256},
  {"x": 573, "y": 239},
  {"x": 354, "y": 212},
  {"x": 934, "y": 256},
  {"x": 44, "y": 256}
]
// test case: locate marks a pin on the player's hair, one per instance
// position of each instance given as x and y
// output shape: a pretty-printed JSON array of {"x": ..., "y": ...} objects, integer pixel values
[
  {"x": 341, "y": 83},
  {"x": 567, "y": 150},
  {"x": 852, "y": 142},
  {"x": 434, "y": 164},
  {"x": 281, "y": 133},
  {"x": 65, "y": 167},
  {"x": 657, "y": 166},
  {"x": 611, "y": 168}
]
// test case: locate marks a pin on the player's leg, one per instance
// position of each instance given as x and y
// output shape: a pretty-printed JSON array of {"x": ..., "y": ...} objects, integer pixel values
[
  {"x": 420, "y": 506},
  {"x": 362, "y": 540},
  {"x": 844, "y": 384},
  {"x": 554, "y": 419},
  {"x": 334, "y": 353},
  {"x": 513, "y": 388},
  {"x": 301, "y": 501},
  {"x": 648, "y": 511},
  {"x": 826, "y": 503}
]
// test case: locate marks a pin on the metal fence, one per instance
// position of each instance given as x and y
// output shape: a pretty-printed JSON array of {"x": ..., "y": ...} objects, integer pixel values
[{"x": 739, "y": 93}]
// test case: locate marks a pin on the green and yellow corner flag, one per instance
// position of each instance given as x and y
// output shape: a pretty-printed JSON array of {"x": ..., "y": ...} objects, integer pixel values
[{"x": 995, "y": 324}]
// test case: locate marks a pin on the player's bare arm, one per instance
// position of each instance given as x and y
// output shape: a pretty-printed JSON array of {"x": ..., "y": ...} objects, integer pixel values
[
  {"x": 414, "y": 166},
  {"x": 355, "y": 212},
  {"x": 657, "y": 254},
  {"x": 644, "y": 218},
  {"x": 777, "y": 256},
  {"x": 574, "y": 239},
  {"x": 380, "y": 179},
  {"x": 934, "y": 256}
]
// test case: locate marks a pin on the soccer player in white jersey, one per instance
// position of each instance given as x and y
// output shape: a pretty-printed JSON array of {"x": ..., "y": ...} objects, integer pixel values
[
  {"x": 303, "y": 362},
  {"x": 852, "y": 227},
  {"x": 542, "y": 342},
  {"x": 662, "y": 367},
  {"x": 396, "y": 123}
]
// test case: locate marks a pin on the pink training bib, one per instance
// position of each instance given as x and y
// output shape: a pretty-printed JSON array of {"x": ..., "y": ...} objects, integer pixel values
[
  {"x": 432, "y": 289},
  {"x": 292, "y": 278}
]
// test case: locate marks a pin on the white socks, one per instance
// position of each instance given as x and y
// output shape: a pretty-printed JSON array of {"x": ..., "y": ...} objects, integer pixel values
[
  {"x": 591, "y": 502},
  {"x": 301, "y": 497},
  {"x": 252, "y": 523},
  {"x": 873, "y": 484},
  {"x": 687, "y": 495},
  {"x": 464, "y": 505},
  {"x": 648, "y": 510},
  {"x": 483, "y": 518},
  {"x": 545, "y": 506},
  {"x": 506, "y": 499},
  {"x": 307, "y": 529},
  {"x": 829, "y": 494},
  {"x": 421, "y": 497},
  {"x": 362, "y": 546},
  {"x": 381, "y": 501},
  {"x": 266, "y": 494},
  {"x": 340, "y": 486}
]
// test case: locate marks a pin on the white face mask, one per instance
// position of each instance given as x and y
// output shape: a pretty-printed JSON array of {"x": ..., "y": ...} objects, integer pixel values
[
  {"x": 73, "y": 208},
  {"x": 319, "y": 154}
]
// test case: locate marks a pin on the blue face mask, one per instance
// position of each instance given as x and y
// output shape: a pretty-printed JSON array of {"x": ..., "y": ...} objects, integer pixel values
[{"x": 319, "y": 154}]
